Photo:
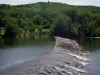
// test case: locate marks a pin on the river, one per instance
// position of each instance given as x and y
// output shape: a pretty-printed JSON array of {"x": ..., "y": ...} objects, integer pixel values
[
  {"x": 13, "y": 51},
  {"x": 93, "y": 47}
]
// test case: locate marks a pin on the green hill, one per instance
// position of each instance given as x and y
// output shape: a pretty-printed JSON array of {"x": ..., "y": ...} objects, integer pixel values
[{"x": 60, "y": 19}]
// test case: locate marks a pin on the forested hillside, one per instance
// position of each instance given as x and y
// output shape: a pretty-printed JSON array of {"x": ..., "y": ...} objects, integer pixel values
[{"x": 50, "y": 18}]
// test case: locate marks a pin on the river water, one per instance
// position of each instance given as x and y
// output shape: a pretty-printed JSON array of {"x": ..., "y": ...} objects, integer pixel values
[
  {"x": 93, "y": 47},
  {"x": 13, "y": 51}
]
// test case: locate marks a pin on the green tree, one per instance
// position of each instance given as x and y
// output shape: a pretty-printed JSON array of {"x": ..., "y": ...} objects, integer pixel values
[{"x": 12, "y": 28}]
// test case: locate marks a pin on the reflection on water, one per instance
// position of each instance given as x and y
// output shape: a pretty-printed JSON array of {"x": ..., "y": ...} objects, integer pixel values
[
  {"x": 13, "y": 51},
  {"x": 11, "y": 42},
  {"x": 93, "y": 46}
]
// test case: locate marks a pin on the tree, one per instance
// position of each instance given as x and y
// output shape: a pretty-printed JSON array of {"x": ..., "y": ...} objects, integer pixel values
[
  {"x": 32, "y": 28},
  {"x": 73, "y": 14},
  {"x": 12, "y": 28},
  {"x": 58, "y": 18},
  {"x": 59, "y": 28},
  {"x": 38, "y": 19}
]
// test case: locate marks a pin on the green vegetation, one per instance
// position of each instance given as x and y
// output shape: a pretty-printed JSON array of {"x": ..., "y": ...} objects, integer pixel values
[{"x": 49, "y": 18}]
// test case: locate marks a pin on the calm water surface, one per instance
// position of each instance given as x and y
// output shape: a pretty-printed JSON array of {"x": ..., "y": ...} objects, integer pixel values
[
  {"x": 93, "y": 46},
  {"x": 13, "y": 51}
]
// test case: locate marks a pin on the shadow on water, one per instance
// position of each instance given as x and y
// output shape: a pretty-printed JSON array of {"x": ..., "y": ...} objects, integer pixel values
[
  {"x": 27, "y": 41},
  {"x": 90, "y": 44}
]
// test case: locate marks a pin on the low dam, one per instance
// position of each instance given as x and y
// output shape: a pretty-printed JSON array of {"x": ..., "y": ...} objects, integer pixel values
[{"x": 66, "y": 58}]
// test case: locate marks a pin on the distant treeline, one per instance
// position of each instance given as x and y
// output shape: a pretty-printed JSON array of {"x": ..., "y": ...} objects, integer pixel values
[{"x": 51, "y": 18}]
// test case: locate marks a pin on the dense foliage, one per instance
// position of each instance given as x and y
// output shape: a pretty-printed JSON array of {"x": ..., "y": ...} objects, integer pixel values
[{"x": 52, "y": 18}]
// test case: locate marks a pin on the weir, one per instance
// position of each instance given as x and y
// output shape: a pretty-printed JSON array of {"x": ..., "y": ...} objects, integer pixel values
[
  {"x": 74, "y": 51},
  {"x": 67, "y": 58}
]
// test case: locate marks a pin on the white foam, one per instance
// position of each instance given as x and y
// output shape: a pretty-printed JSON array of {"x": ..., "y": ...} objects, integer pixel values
[
  {"x": 60, "y": 69},
  {"x": 77, "y": 56},
  {"x": 74, "y": 68},
  {"x": 81, "y": 62}
]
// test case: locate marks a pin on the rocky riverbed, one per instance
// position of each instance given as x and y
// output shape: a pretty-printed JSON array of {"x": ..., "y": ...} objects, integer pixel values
[{"x": 67, "y": 58}]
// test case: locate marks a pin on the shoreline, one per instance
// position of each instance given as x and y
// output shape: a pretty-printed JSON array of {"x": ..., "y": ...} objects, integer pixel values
[
  {"x": 59, "y": 61},
  {"x": 92, "y": 37}
]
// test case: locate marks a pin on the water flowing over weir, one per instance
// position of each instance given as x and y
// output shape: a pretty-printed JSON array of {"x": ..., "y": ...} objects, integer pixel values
[{"x": 67, "y": 58}]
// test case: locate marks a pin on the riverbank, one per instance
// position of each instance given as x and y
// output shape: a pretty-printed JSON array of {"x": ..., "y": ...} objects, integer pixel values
[
  {"x": 92, "y": 37},
  {"x": 67, "y": 58}
]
